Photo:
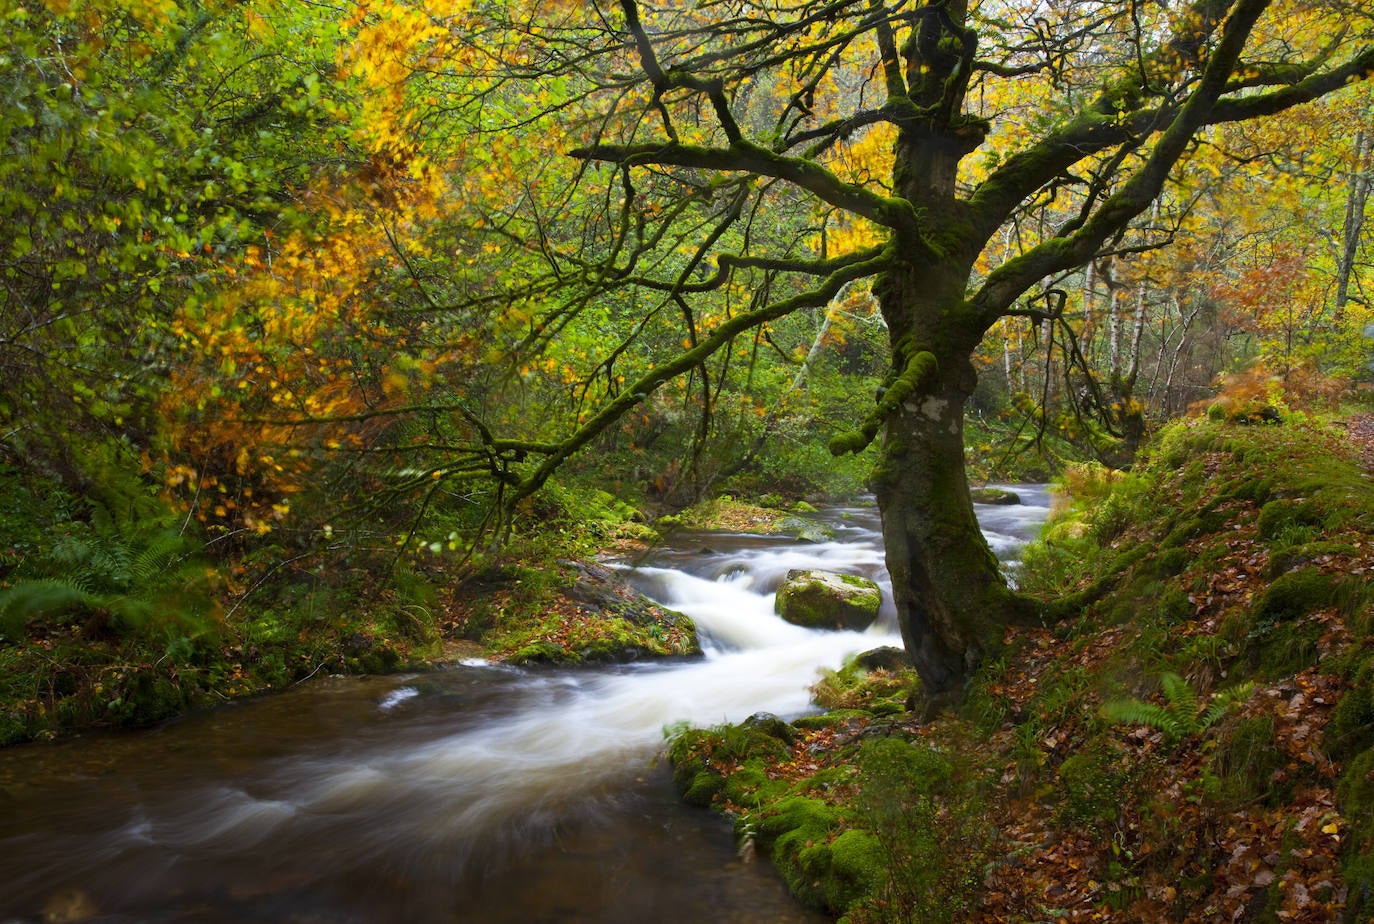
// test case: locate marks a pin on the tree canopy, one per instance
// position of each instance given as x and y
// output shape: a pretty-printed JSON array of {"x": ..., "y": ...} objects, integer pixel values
[{"x": 429, "y": 253}]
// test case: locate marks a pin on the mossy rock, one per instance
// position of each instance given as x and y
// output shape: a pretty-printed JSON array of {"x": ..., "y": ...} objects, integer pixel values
[
  {"x": 837, "y": 875},
  {"x": 1281, "y": 516},
  {"x": 1296, "y": 594},
  {"x": 804, "y": 530},
  {"x": 828, "y": 600},
  {"x": 700, "y": 759},
  {"x": 995, "y": 497},
  {"x": 771, "y": 725},
  {"x": 822, "y": 869},
  {"x": 1275, "y": 637},
  {"x": 882, "y": 658},
  {"x": 1303, "y": 554},
  {"x": 1167, "y": 563},
  {"x": 540, "y": 653}
]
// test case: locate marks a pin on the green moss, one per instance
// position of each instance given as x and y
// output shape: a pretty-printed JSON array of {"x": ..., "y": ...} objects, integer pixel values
[
  {"x": 1273, "y": 636},
  {"x": 1292, "y": 557},
  {"x": 704, "y": 760},
  {"x": 790, "y": 831},
  {"x": 1166, "y": 563},
  {"x": 1094, "y": 787},
  {"x": 843, "y": 871},
  {"x": 749, "y": 785},
  {"x": 925, "y": 808},
  {"x": 861, "y": 692},
  {"x": 1351, "y": 729},
  {"x": 1194, "y": 527},
  {"x": 1296, "y": 594},
  {"x": 817, "y": 600},
  {"x": 1245, "y": 766},
  {"x": 1355, "y": 798},
  {"x": 1284, "y": 516}
]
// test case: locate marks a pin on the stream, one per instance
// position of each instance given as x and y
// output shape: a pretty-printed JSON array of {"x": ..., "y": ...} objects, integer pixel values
[{"x": 478, "y": 793}]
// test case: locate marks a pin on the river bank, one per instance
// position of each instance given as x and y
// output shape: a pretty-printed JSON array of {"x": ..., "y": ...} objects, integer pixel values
[{"x": 1185, "y": 737}]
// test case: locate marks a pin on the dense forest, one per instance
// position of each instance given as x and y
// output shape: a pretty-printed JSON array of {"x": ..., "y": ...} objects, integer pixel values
[{"x": 335, "y": 336}]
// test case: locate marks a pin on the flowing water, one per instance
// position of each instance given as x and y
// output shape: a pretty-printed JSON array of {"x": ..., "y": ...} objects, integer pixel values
[{"x": 479, "y": 793}]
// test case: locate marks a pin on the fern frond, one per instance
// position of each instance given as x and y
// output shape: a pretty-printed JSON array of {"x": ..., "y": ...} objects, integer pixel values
[
  {"x": 163, "y": 551},
  {"x": 1180, "y": 696},
  {"x": 1183, "y": 714},
  {"x": 1138, "y": 712},
  {"x": 40, "y": 599}
]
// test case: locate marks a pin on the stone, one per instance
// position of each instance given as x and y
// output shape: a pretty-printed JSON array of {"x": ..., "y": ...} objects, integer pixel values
[
  {"x": 884, "y": 658},
  {"x": 828, "y": 600},
  {"x": 995, "y": 496}
]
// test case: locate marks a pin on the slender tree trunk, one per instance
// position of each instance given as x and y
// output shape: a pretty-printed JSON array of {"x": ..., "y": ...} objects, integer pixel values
[
  {"x": 1114, "y": 322},
  {"x": 1358, "y": 194}
]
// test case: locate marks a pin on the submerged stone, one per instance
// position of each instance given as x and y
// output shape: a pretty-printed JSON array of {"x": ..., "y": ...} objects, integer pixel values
[{"x": 827, "y": 600}]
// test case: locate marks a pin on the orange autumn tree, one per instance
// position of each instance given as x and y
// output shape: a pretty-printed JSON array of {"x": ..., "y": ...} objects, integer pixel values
[{"x": 318, "y": 347}]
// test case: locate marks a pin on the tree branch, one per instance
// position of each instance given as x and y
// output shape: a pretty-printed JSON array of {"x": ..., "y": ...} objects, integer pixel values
[
  {"x": 747, "y": 157},
  {"x": 872, "y": 262},
  {"x": 1006, "y": 283}
]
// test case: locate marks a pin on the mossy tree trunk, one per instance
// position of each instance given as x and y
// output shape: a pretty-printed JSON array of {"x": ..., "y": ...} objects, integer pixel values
[{"x": 951, "y": 597}]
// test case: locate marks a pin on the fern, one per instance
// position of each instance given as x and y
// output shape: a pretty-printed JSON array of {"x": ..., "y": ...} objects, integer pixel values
[
  {"x": 135, "y": 580},
  {"x": 1182, "y": 715},
  {"x": 43, "y": 598}
]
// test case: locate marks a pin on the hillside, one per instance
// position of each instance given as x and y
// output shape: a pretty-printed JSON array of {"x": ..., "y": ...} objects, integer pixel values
[{"x": 1187, "y": 735}]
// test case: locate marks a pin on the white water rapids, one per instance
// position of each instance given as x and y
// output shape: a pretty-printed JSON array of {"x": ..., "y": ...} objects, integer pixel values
[{"x": 479, "y": 793}]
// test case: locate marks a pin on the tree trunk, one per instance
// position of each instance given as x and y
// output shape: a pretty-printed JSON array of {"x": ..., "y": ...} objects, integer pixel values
[
  {"x": 951, "y": 597},
  {"x": 1356, "y": 197}
]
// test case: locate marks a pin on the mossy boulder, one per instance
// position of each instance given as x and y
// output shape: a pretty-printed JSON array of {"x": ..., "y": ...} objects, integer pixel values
[
  {"x": 995, "y": 496},
  {"x": 588, "y": 614},
  {"x": 828, "y": 600}
]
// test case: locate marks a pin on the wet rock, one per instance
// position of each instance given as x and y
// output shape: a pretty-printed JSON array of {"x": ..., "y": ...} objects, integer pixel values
[
  {"x": 828, "y": 600},
  {"x": 804, "y": 530},
  {"x": 884, "y": 658}
]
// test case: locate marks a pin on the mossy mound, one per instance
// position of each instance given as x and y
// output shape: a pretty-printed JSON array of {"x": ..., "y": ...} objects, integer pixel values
[{"x": 575, "y": 612}]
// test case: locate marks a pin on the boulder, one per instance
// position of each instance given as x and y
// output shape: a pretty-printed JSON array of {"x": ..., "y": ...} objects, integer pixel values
[
  {"x": 885, "y": 658},
  {"x": 996, "y": 496},
  {"x": 828, "y": 600}
]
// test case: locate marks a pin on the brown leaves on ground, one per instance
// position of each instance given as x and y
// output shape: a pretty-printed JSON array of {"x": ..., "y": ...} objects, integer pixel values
[{"x": 1193, "y": 838}]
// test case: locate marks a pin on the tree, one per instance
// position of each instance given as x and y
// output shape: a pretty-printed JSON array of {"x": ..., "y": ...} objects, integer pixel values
[
  {"x": 665, "y": 180},
  {"x": 913, "y": 133},
  {"x": 143, "y": 144}
]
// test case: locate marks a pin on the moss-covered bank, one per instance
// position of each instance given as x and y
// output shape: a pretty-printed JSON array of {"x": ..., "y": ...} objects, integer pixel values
[
  {"x": 112, "y": 613},
  {"x": 1188, "y": 736}
]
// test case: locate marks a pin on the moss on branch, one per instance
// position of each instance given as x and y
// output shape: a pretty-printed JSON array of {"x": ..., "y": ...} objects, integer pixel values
[{"x": 920, "y": 371}]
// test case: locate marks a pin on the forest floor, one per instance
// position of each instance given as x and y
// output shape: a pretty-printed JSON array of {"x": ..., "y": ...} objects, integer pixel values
[
  {"x": 1193, "y": 741},
  {"x": 1361, "y": 430}
]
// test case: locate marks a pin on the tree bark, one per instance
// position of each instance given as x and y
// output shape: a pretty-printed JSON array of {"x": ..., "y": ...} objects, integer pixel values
[
  {"x": 1354, "y": 216},
  {"x": 952, "y": 599}
]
